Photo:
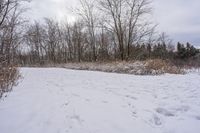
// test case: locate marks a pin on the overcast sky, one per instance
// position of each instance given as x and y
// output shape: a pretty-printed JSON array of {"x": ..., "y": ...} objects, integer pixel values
[{"x": 180, "y": 19}]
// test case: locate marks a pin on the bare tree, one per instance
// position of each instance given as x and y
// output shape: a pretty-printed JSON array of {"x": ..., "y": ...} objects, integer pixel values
[
  {"x": 125, "y": 19},
  {"x": 34, "y": 38},
  {"x": 68, "y": 39},
  {"x": 10, "y": 38},
  {"x": 87, "y": 12},
  {"x": 77, "y": 38},
  {"x": 163, "y": 38}
]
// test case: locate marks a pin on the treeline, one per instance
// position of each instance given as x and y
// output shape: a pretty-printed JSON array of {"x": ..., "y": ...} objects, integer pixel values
[
  {"x": 162, "y": 51},
  {"x": 105, "y": 30},
  {"x": 53, "y": 43},
  {"x": 187, "y": 51}
]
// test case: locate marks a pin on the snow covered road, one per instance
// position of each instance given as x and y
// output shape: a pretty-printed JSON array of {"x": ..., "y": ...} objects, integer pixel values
[{"x": 54, "y": 100}]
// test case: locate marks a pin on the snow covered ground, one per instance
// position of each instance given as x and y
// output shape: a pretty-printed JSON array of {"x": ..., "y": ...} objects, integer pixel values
[{"x": 54, "y": 100}]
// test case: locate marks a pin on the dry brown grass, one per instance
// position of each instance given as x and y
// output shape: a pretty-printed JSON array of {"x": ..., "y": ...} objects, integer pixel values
[
  {"x": 8, "y": 78},
  {"x": 148, "y": 67},
  {"x": 162, "y": 66}
]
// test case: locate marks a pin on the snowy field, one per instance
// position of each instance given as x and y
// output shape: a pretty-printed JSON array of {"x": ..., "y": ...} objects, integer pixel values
[{"x": 53, "y": 100}]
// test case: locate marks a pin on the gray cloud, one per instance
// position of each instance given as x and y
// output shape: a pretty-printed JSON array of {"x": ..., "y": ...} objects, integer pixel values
[
  {"x": 178, "y": 18},
  {"x": 58, "y": 9}
]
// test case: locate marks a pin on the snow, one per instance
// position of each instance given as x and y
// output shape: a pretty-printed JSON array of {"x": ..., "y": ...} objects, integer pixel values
[{"x": 55, "y": 100}]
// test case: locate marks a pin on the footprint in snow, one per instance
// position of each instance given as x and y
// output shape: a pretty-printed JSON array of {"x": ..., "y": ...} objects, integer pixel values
[
  {"x": 75, "y": 95},
  {"x": 77, "y": 118},
  {"x": 87, "y": 100},
  {"x": 104, "y": 101},
  {"x": 164, "y": 112},
  {"x": 197, "y": 118},
  {"x": 131, "y": 97},
  {"x": 156, "y": 120},
  {"x": 181, "y": 109}
]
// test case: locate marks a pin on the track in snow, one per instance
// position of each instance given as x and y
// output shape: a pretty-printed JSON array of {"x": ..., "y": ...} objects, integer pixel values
[{"x": 53, "y": 100}]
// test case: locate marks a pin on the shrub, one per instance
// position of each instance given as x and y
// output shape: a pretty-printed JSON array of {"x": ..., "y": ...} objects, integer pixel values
[
  {"x": 8, "y": 77},
  {"x": 158, "y": 66}
]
